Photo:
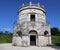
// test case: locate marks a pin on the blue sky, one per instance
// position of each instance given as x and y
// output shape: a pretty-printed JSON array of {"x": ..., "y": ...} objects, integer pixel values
[{"x": 9, "y": 9}]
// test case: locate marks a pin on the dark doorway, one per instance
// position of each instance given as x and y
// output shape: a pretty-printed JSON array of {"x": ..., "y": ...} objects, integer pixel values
[{"x": 33, "y": 40}]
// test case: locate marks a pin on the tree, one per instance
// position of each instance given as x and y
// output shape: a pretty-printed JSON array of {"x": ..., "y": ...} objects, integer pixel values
[
  {"x": 6, "y": 32},
  {"x": 1, "y": 32},
  {"x": 55, "y": 31}
]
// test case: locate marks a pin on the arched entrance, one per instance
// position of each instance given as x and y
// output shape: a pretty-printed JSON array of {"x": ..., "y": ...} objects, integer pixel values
[{"x": 33, "y": 38}]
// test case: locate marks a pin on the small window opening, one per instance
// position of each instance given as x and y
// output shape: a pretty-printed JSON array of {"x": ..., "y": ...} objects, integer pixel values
[{"x": 32, "y": 18}]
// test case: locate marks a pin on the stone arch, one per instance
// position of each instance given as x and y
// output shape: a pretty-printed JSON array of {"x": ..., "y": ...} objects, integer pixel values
[
  {"x": 33, "y": 31},
  {"x": 19, "y": 33},
  {"x": 46, "y": 33}
]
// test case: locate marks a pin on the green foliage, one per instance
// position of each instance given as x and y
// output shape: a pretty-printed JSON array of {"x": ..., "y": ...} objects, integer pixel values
[
  {"x": 55, "y": 31},
  {"x": 1, "y": 32}
]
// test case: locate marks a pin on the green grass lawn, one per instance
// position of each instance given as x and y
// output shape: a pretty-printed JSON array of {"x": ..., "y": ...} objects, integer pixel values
[
  {"x": 56, "y": 40},
  {"x": 5, "y": 38}
]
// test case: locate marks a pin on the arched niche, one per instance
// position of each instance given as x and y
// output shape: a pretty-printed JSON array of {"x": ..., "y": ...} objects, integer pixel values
[
  {"x": 19, "y": 33},
  {"x": 46, "y": 33}
]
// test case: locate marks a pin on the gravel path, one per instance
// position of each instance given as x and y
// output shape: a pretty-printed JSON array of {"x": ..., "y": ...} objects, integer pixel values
[{"x": 8, "y": 46}]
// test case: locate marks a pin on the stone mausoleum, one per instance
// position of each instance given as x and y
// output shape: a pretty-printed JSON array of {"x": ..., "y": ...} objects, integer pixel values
[{"x": 31, "y": 28}]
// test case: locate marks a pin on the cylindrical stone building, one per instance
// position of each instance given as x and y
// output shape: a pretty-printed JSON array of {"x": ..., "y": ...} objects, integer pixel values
[{"x": 31, "y": 28}]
